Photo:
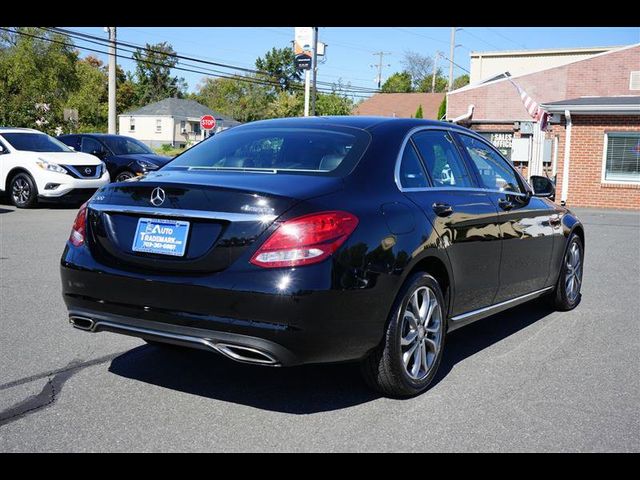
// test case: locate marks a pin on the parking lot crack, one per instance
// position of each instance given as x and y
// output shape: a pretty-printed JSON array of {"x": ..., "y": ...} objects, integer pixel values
[{"x": 50, "y": 391}]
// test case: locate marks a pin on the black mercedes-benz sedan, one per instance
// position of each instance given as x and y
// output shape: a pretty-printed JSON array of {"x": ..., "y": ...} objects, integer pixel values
[
  {"x": 125, "y": 157},
  {"x": 327, "y": 239}
]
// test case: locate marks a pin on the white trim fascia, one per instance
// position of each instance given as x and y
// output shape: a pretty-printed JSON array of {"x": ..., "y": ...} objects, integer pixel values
[
  {"x": 567, "y": 156},
  {"x": 612, "y": 109},
  {"x": 478, "y": 85}
]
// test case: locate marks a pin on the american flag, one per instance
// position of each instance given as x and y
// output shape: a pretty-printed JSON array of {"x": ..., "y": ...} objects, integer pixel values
[{"x": 534, "y": 109}]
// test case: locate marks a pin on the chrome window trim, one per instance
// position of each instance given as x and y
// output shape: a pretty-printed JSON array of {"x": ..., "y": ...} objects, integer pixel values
[
  {"x": 471, "y": 134},
  {"x": 174, "y": 212}
]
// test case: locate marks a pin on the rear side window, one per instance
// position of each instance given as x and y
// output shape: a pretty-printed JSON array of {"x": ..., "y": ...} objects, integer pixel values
[
  {"x": 313, "y": 151},
  {"x": 411, "y": 172},
  {"x": 442, "y": 159}
]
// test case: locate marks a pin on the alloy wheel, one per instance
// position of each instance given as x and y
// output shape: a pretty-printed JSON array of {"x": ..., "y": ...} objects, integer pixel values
[
  {"x": 21, "y": 191},
  {"x": 421, "y": 334},
  {"x": 573, "y": 276}
]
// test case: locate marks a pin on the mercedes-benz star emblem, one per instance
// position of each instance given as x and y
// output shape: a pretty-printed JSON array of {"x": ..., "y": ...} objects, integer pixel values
[
  {"x": 157, "y": 196},
  {"x": 87, "y": 171}
]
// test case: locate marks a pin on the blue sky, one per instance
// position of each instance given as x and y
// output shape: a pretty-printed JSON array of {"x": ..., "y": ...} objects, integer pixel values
[{"x": 350, "y": 49}]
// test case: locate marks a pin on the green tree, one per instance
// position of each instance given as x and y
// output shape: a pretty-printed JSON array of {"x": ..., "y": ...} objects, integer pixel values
[
  {"x": 461, "y": 81},
  {"x": 419, "y": 113},
  {"x": 419, "y": 66},
  {"x": 242, "y": 97},
  {"x": 153, "y": 73},
  {"x": 442, "y": 111},
  {"x": 91, "y": 96},
  {"x": 399, "y": 83},
  {"x": 286, "y": 105},
  {"x": 427, "y": 82},
  {"x": 333, "y": 103},
  {"x": 35, "y": 71},
  {"x": 278, "y": 66}
]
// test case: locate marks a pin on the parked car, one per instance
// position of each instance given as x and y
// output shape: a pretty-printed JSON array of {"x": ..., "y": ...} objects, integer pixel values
[
  {"x": 36, "y": 167},
  {"x": 310, "y": 240},
  {"x": 125, "y": 157}
]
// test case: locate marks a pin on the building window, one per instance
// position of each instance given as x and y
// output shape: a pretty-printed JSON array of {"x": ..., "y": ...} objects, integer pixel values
[
  {"x": 158, "y": 125},
  {"x": 183, "y": 125},
  {"x": 132, "y": 124},
  {"x": 634, "y": 80},
  {"x": 622, "y": 157}
]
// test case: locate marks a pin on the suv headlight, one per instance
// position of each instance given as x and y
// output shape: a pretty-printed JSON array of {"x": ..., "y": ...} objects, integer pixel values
[
  {"x": 49, "y": 166},
  {"x": 147, "y": 165}
]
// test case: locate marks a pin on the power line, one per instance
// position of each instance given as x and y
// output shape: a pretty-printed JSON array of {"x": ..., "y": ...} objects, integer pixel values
[
  {"x": 206, "y": 73},
  {"x": 465, "y": 30},
  {"x": 101, "y": 41},
  {"x": 454, "y": 63},
  {"x": 506, "y": 38}
]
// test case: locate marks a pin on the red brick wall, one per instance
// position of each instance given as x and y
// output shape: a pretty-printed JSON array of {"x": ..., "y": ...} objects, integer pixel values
[
  {"x": 602, "y": 75},
  {"x": 585, "y": 165}
]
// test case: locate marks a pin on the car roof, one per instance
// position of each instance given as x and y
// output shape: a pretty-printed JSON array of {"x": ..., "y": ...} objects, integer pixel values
[
  {"x": 357, "y": 121},
  {"x": 19, "y": 130},
  {"x": 99, "y": 135}
]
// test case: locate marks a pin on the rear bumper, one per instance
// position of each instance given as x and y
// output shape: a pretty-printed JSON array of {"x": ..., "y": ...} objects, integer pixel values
[{"x": 309, "y": 321}]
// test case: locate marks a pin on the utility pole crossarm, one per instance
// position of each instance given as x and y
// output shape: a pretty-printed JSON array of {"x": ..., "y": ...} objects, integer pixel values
[{"x": 380, "y": 66}]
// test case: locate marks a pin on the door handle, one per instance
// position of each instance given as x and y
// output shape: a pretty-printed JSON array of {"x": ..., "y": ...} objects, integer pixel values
[
  {"x": 505, "y": 204},
  {"x": 442, "y": 209}
]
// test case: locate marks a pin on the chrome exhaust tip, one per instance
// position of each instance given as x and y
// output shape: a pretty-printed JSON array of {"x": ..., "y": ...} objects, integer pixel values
[
  {"x": 246, "y": 354},
  {"x": 82, "y": 323}
]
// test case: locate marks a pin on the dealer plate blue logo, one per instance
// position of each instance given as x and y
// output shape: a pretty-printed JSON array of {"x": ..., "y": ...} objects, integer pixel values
[{"x": 165, "y": 237}]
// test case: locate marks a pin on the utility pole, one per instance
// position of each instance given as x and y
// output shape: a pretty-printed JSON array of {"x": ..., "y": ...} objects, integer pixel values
[
  {"x": 380, "y": 65},
  {"x": 435, "y": 71},
  {"x": 314, "y": 66},
  {"x": 452, "y": 48},
  {"x": 112, "y": 79}
]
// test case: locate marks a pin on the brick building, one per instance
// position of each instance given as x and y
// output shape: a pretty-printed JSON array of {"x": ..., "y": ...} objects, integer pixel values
[{"x": 601, "y": 95}]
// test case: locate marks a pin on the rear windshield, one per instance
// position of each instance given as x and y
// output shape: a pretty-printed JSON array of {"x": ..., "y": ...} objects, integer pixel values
[
  {"x": 313, "y": 151},
  {"x": 35, "y": 142}
]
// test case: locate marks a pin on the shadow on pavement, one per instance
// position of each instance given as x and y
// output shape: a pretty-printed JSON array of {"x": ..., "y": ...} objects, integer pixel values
[
  {"x": 5, "y": 210},
  {"x": 305, "y": 389}
]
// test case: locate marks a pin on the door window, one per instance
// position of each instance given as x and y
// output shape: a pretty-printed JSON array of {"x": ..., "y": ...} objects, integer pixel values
[
  {"x": 442, "y": 159},
  {"x": 89, "y": 145},
  {"x": 493, "y": 170},
  {"x": 411, "y": 172}
]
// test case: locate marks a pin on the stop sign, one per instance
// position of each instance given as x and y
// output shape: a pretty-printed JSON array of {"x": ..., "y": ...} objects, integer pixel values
[{"x": 207, "y": 122}]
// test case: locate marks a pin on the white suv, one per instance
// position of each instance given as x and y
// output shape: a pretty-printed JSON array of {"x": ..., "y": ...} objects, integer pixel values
[{"x": 35, "y": 166}]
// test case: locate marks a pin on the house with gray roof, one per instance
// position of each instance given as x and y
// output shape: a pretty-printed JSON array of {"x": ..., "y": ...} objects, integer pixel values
[{"x": 173, "y": 121}]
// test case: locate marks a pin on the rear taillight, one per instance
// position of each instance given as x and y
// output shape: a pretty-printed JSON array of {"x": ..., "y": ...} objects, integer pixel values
[
  {"x": 305, "y": 240},
  {"x": 79, "y": 229}
]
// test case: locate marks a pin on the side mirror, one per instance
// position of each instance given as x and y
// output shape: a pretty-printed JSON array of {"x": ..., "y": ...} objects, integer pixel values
[
  {"x": 543, "y": 187},
  {"x": 72, "y": 148}
]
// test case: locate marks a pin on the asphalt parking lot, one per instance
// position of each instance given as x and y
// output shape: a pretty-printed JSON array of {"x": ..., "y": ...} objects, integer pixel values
[{"x": 528, "y": 379}]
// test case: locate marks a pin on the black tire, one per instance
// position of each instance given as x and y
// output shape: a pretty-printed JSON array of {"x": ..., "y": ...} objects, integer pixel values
[
  {"x": 23, "y": 192},
  {"x": 563, "y": 298},
  {"x": 384, "y": 369},
  {"x": 124, "y": 175}
]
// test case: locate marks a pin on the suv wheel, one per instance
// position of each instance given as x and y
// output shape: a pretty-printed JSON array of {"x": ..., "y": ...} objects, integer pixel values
[
  {"x": 126, "y": 175},
  {"x": 408, "y": 358},
  {"x": 23, "y": 191}
]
